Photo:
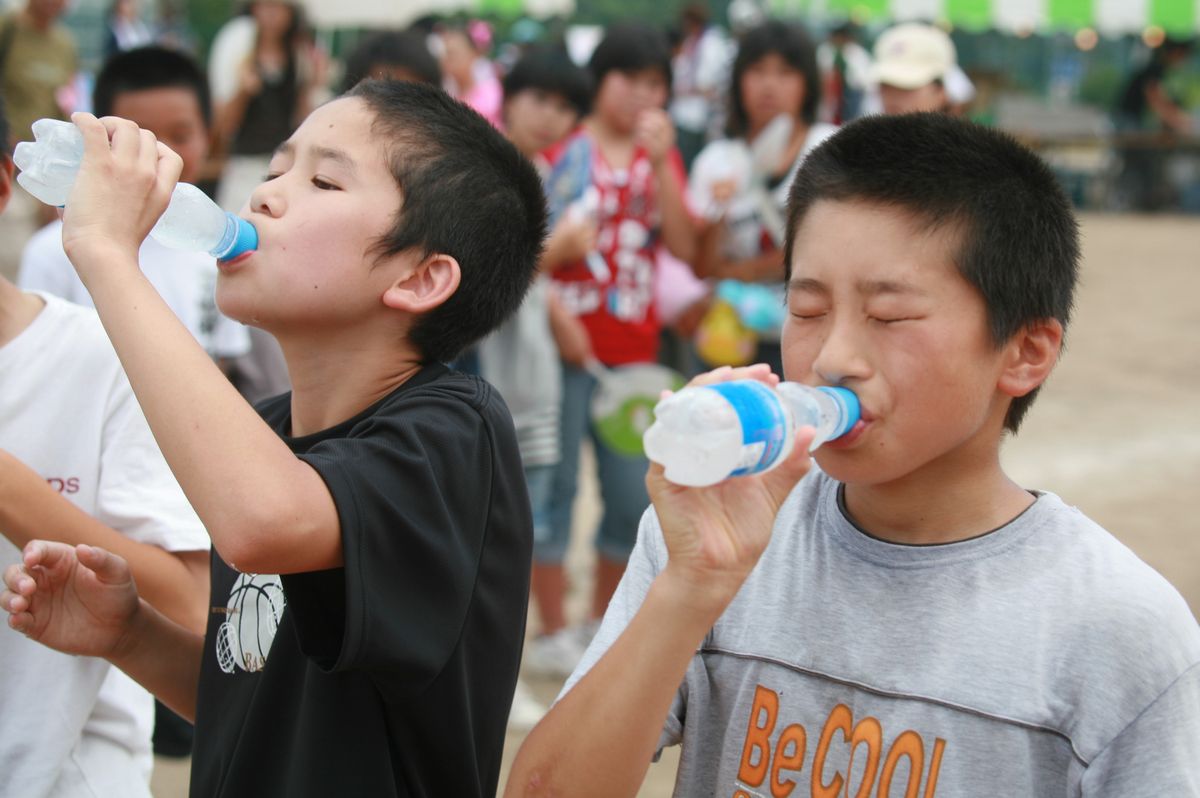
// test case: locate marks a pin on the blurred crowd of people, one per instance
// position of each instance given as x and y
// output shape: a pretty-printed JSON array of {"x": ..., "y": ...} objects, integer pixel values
[{"x": 667, "y": 158}]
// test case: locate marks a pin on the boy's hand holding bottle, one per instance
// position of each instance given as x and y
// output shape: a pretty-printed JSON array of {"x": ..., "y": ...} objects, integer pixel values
[
  {"x": 123, "y": 187},
  {"x": 716, "y": 534}
]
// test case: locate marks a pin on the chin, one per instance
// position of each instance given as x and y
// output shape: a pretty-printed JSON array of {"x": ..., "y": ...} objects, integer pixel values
[{"x": 849, "y": 469}]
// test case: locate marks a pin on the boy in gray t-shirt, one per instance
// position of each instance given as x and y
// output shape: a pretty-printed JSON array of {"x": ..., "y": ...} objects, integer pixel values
[{"x": 905, "y": 620}]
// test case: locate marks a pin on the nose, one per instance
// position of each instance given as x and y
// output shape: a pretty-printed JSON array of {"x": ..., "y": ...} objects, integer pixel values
[
  {"x": 842, "y": 356},
  {"x": 267, "y": 198}
]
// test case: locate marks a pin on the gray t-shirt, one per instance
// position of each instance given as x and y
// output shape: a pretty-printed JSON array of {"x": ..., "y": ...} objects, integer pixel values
[
  {"x": 1042, "y": 659},
  {"x": 520, "y": 358}
]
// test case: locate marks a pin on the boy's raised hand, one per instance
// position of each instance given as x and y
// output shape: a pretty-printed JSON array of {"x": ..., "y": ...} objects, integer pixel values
[
  {"x": 76, "y": 599},
  {"x": 655, "y": 133},
  {"x": 715, "y": 534},
  {"x": 124, "y": 185}
]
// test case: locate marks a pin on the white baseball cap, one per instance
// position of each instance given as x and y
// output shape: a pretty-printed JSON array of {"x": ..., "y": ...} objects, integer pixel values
[{"x": 913, "y": 55}]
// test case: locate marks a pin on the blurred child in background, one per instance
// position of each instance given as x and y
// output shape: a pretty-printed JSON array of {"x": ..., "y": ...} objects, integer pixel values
[{"x": 622, "y": 169}]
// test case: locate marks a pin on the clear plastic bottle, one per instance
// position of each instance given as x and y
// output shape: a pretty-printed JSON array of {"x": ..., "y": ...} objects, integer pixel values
[
  {"x": 704, "y": 434},
  {"x": 191, "y": 221}
]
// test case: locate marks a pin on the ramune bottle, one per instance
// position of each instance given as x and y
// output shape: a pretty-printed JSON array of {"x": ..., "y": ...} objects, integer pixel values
[
  {"x": 191, "y": 221},
  {"x": 705, "y": 434}
]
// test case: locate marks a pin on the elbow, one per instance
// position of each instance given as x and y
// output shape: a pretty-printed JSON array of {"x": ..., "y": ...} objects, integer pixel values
[
  {"x": 280, "y": 543},
  {"x": 528, "y": 782},
  {"x": 247, "y": 543}
]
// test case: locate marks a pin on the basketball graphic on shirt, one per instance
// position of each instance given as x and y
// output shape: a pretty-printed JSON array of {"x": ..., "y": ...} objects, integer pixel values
[{"x": 255, "y": 606}]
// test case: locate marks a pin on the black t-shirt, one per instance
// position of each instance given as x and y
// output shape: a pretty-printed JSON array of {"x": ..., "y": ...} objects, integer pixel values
[{"x": 393, "y": 675}]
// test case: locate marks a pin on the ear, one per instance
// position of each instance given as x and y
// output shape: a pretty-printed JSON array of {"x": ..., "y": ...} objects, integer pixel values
[
  {"x": 1030, "y": 357},
  {"x": 425, "y": 286},
  {"x": 6, "y": 177}
]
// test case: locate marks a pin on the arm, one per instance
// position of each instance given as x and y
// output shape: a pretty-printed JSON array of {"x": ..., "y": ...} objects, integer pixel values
[
  {"x": 569, "y": 242},
  {"x": 714, "y": 537},
  {"x": 656, "y": 133},
  {"x": 265, "y": 510},
  {"x": 710, "y": 263},
  {"x": 174, "y": 582},
  {"x": 228, "y": 115},
  {"x": 570, "y": 336},
  {"x": 1174, "y": 117},
  {"x": 1159, "y": 747},
  {"x": 81, "y": 600}
]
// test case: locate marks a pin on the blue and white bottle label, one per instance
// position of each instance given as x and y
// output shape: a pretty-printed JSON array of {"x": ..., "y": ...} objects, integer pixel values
[{"x": 763, "y": 420}]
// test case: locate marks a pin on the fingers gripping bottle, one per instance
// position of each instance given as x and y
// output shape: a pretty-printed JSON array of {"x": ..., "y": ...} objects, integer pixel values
[
  {"x": 191, "y": 221},
  {"x": 705, "y": 434}
]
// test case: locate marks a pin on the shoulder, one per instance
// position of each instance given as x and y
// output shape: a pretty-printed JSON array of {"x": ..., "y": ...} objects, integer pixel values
[
  {"x": 72, "y": 338},
  {"x": 452, "y": 417},
  {"x": 465, "y": 394},
  {"x": 1112, "y": 582},
  {"x": 725, "y": 155},
  {"x": 1124, "y": 631},
  {"x": 80, "y": 323}
]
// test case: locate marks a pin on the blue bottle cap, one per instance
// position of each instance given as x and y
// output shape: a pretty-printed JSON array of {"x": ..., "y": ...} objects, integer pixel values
[
  {"x": 853, "y": 409},
  {"x": 245, "y": 239}
]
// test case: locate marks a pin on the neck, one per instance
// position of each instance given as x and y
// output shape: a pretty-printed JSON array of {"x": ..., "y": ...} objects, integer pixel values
[
  {"x": 943, "y": 502},
  {"x": 337, "y": 377},
  {"x": 17, "y": 310}
]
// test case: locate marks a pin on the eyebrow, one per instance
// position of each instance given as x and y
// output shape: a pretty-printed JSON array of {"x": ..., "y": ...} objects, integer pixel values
[
  {"x": 808, "y": 285},
  {"x": 340, "y": 157}
]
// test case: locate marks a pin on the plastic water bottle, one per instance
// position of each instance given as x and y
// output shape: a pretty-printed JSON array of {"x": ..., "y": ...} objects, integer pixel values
[
  {"x": 191, "y": 221},
  {"x": 704, "y": 434}
]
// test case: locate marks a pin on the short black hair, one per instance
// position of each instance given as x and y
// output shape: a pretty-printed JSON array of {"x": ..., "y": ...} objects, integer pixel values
[
  {"x": 147, "y": 68},
  {"x": 1018, "y": 238},
  {"x": 630, "y": 47},
  {"x": 791, "y": 43},
  {"x": 405, "y": 49},
  {"x": 551, "y": 70},
  {"x": 467, "y": 193}
]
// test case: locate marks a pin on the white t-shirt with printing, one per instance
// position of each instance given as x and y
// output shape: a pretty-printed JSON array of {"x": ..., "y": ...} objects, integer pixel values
[{"x": 76, "y": 726}]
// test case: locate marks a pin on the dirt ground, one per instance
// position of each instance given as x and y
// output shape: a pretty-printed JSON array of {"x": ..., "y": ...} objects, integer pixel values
[{"x": 1115, "y": 431}]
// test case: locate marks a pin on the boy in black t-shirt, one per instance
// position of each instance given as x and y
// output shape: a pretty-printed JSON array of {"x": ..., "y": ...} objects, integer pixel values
[{"x": 395, "y": 227}]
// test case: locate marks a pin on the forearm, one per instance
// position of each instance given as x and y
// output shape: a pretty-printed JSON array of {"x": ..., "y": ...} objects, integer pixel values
[
  {"x": 622, "y": 703},
  {"x": 678, "y": 227},
  {"x": 29, "y": 508},
  {"x": 163, "y": 657},
  {"x": 228, "y": 117},
  {"x": 252, "y": 494},
  {"x": 710, "y": 262}
]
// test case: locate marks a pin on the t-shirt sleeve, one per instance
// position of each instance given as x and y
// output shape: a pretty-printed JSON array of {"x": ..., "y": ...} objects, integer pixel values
[
  {"x": 138, "y": 495},
  {"x": 646, "y": 561},
  {"x": 412, "y": 491},
  {"x": 1158, "y": 753}
]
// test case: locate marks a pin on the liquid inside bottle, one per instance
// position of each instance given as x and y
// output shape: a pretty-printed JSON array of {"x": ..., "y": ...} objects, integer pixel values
[{"x": 706, "y": 434}]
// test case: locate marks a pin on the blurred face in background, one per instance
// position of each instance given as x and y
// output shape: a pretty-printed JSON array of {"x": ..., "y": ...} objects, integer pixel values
[
  {"x": 46, "y": 11},
  {"x": 624, "y": 95},
  {"x": 536, "y": 120},
  {"x": 274, "y": 18},
  {"x": 172, "y": 114},
  {"x": 458, "y": 57},
  {"x": 930, "y": 97},
  {"x": 771, "y": 86}
]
